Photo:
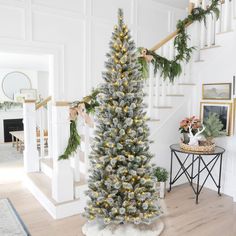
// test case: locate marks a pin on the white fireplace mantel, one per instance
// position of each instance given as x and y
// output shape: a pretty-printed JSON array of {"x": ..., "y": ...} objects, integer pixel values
[{"x": 10, "y": 114}]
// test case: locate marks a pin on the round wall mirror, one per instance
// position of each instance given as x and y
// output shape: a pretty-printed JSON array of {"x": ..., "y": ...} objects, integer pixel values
[{"x": 13, "y": 82}]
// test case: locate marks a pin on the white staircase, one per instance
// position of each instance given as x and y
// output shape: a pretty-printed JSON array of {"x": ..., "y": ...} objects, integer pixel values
[
  {"x": 42, "y": 180},
  {"x": 165, "y": 98}
]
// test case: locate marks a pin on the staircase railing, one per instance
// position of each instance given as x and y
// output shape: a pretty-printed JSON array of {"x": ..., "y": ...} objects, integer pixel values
[
  {"x": 44, "y": 127},
  {"x": 202, "y": 36}
]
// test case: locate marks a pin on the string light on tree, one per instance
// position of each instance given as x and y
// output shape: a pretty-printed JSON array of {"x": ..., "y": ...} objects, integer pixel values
[{"x": 122, "y": 139}]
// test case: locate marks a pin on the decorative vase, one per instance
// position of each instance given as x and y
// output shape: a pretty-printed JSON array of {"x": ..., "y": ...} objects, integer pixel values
[
  {"x": 186, "y": 138},
  {"x": 161, "y": 188}
]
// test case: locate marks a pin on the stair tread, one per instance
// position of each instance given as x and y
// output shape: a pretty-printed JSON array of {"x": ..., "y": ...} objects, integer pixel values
[
  {"x": 44, "y": 183},
  {"x": 225, "y": 32},
  {"x": 48, "y": 162},
  {"x": 175, "y": 95},
  {"x": 210, "y": 47},
  {"x": 154, "y": 120},
  {"x": 163, "y": 107},
  {"x": 187, "y": 84},
  {"x": 198, "y": 61},
  {"x": 82, "y": 181},
  {"x": 83, "y": 138}
]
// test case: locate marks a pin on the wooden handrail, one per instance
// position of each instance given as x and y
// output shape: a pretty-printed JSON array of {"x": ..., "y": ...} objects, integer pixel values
[
  {"x": 175, "y": 33},
  {"x": 43, "y": 103},
  {"x": 167, "y": 39}
]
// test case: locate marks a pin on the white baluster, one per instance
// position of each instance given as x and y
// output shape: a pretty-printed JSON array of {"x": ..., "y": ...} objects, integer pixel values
[
  {"x": 41, "y": 130},
  {"x": 87, "y": 148},
  {"x": 150, "y": 92},
  {"x": 76, "y": 159},
  {"x": 203, "y": 31},
  {"x": 212, "y": 30},
  {"x": 157, "y": 87},
  {"x": 234, "y": 9},
  {"x": 223, "y": 17},
  {"x": 230, "y": 15},
  {"x": 49, "y": 124},
  {"x": 31, "y": 155}
]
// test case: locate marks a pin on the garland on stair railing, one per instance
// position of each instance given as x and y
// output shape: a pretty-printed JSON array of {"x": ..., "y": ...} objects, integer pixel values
[
  {"x": 172, "y": 68},
  {"x": 79, "y": 108},
  {"x": 168, "y": 69}
]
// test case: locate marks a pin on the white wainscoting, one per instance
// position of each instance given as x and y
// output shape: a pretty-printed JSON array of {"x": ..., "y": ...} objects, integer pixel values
[{"x": 78, "y": 32}]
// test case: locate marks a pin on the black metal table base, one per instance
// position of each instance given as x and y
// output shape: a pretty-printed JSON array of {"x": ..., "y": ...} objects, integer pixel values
[{"x": 201, "y": 165}]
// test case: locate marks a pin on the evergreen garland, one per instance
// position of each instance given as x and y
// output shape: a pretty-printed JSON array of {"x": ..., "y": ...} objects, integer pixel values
[
  {"x": 73, "y": 142},
  {"x": 172, "y": 68},
  {"x": 90, "y": 103}
]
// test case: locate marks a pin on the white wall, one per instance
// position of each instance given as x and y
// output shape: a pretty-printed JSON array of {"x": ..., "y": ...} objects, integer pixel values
[
  {"x": 77, "y": 33},
  {"x": 219, "y": 66},
  {"x": 43, "y": 77}
]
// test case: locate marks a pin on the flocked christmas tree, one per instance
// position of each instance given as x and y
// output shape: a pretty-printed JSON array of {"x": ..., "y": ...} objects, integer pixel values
[{"x": 121, "y": 181}]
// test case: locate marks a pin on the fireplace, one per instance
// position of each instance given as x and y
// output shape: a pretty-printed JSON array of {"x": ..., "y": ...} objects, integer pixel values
[{"x": 11, "y": 125}]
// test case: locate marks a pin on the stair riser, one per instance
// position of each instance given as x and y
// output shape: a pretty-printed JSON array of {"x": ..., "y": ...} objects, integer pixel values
[{"x": 46, "y": 170}]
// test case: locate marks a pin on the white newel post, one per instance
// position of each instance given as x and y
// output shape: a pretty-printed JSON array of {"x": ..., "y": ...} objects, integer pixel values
[
  {"x": 62, "y": 179},
  {"x": 31, "y": 155}
]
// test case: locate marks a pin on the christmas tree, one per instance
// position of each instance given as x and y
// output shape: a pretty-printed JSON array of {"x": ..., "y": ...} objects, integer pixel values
[{"x": 121, "y": 182}]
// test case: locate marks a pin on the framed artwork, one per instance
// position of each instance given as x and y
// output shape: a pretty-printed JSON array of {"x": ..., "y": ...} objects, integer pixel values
[
  {"x": 234, "y": 116},
  {"x": 29, "y": 94},
  {"x": 221, "y": 91},
  {"x": 224, "y": 111}
]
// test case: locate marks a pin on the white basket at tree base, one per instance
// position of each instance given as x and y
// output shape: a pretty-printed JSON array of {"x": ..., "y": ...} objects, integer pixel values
[{"x": 208, "y": 148}]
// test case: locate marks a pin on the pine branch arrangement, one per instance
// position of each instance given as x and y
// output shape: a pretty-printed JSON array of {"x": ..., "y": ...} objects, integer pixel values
[
  {"x": 213, "y": 126},
  {"x": 121, "y": 182},
  {"x": 91, "y": 103},
  {"x": 170, "y": 69},
  {"x": 73, "y": 142}
]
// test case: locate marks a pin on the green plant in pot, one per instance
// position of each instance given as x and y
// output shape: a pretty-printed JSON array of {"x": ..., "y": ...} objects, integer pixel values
[
  {"x": 162, "y": 175},
  {"x": 213, "y": 128},
  {"x": 189, "y": 122}
]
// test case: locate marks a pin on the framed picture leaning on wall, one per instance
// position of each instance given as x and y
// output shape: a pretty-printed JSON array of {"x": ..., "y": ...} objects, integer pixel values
[
  {"x": 224, "y": 111},
  {"x": 217, "y": 91}
]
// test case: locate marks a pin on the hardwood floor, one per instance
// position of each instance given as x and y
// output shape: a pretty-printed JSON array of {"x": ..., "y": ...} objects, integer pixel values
[{"x": 214, "y": 216}]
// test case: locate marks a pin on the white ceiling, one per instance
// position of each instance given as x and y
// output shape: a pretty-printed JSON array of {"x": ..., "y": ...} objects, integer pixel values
[
  {"x": 24, "y": 61},
  {"x": 175, "y": 3}
]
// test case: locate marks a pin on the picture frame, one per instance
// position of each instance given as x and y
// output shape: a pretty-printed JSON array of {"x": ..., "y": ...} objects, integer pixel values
[
  {"x": 217, "y": 91},
  {"x": 224, "y": 110},
  {"x": 234, "y": 116},
  {"x": 29, "y": 94}
]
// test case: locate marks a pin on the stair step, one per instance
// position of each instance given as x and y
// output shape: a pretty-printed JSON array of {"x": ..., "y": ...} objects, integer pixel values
[
  {"x": 154, "y": 120},
  {"x": 48, "y": 162},
  {"x": 175, "y": 95},
  {"x": 43, "y": 183},
  {"x": 83, "y": 181},
  {"x": 83, "y": 138},
  {"x": 47, "y": 166},
  {"x": 210, "y": 47},
  {"x": 163, "y": 107},
  {"x": 225, "y": 32},
  {"x": 40, "y": 186},
  {"x": 187, "y": 84}
]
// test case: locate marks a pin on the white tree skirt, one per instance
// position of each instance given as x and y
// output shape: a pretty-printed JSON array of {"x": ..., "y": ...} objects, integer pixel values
[{"x": 97, "y": 229}]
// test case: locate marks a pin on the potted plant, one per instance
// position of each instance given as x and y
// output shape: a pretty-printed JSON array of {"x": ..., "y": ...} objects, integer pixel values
[
  {"x": 162, "y": 175},
  {"x": 193, "y": 123},
  {"x": 213, "y": 128}
]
